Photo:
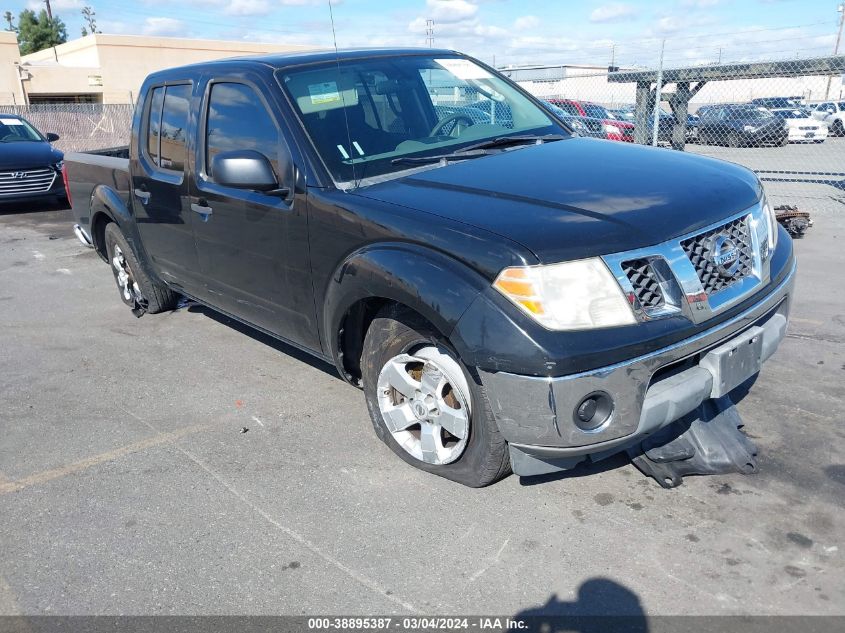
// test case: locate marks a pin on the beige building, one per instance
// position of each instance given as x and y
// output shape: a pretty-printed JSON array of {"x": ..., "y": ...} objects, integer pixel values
[{"x": 105, "y": 68}]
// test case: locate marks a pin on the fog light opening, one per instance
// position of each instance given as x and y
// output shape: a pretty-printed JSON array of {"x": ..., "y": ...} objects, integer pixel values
[{"x": 593, "y": 411}]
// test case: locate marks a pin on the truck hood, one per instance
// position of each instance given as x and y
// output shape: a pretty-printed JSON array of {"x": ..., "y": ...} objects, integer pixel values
[
  {"x": 579, "y": 197},
  {"x": 28, "y": 154}
]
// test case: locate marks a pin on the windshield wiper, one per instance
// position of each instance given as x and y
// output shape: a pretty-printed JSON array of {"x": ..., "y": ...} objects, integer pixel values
[
  {"x": 504, "y": 141},
  {"x": 445, "y": 158}
]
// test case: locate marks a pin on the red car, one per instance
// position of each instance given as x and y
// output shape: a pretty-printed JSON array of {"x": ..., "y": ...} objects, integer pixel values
[{"x": 614, "y": 129}]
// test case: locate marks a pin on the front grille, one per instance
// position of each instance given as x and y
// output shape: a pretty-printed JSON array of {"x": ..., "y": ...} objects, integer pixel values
[
  {"x": 26, "y": 181},
  {"x": 645, "y": 283},
  {"x": 698, "y": 249}
]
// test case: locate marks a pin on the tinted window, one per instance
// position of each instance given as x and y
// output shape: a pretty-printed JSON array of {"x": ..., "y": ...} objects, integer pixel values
[
  {"x": 237, "y": 119},
  {"x": 174, "y": 124},
  {"x": 156, "y": 99}
]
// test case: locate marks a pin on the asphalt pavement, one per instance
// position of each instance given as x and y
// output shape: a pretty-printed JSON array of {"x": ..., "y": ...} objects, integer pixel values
[{"x": 182, "y": 464}]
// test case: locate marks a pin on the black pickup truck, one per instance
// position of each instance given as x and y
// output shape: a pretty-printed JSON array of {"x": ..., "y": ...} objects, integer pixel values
[{"x": 508, "y": 295}]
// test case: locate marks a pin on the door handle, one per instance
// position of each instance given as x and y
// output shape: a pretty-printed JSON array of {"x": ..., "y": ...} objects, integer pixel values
[
  {"x": 203, "y": 209},
  {"x": 143, "y": 196}
]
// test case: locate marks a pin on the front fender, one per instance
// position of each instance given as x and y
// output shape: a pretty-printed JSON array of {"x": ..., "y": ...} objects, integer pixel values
[{"x": 436, "y": 286}]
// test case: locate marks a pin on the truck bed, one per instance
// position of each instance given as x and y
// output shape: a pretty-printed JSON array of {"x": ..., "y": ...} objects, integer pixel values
[{"x": 89, "y": 170}]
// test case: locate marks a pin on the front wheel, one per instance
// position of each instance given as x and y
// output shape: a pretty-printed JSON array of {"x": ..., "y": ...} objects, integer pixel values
[
  {"x": 838, "y": 129},
  {"x": 426, "y": 405},
  {"x": 137, "y": 290}
]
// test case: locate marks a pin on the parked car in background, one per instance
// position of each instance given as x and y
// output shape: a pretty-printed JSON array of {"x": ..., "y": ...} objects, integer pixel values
[
  {"x": 665, "y": 125},
  {"x": 832, "y": 113},
  {"x": 692, "y": 128},
  {"x": 740, "y": 125},
  {"x": 801, "y": 126},
  {"x": 614, "y": 129},
  {"x": 583, "y": 126},
  {"x": 30, "y": 168},
  {"x": 507, "y": 298},
  {"x": 778, "y": 102}
]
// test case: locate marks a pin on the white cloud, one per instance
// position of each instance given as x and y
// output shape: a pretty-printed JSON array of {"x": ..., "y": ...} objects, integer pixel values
[
  {"x": 612, "y": 12},
  {"x": 450, "y": 11},
  {"x": 248, "y": 7},
  {"x": 526, "y": 23},
  {"x": 163, "y": 26}
]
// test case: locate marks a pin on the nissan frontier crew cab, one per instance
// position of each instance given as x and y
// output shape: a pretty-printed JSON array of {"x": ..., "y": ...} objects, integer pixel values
[{"x": 508, "y": 295}]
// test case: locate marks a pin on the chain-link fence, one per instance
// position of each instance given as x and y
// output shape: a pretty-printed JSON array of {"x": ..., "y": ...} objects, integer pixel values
[
  {"x": 80, "y": 126},
  {"x": 785, "y": 120}
]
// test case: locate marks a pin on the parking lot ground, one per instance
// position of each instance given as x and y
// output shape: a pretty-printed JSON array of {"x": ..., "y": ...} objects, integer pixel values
[{"x": 129, "y": 487}]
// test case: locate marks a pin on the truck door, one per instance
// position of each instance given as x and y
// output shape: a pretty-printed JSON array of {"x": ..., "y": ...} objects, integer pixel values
[
  {"x": 252, "y": 245},
  {"x": 160, "y": 186}
]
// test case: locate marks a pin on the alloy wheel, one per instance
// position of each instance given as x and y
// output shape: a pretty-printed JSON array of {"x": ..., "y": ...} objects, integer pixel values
[{"x": 424, "y": 401}]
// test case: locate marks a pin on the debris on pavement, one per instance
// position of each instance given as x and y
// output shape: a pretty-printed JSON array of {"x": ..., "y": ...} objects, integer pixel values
[{"x": 794, "y": 221}]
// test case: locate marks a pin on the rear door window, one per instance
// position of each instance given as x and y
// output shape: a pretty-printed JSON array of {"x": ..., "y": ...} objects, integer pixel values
[
  {"x": 154, "y": 124},
  {"x": 167, "y": 127},
  {"x": 174, "y": 125}
]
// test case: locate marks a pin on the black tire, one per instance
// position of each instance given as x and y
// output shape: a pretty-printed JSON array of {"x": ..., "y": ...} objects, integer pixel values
[
  {"x": 837, "y": 128},
  {"x": 733, "y": 140},
  {"x": 154, "y": 296},
  {"x": 397, "y": 330}
]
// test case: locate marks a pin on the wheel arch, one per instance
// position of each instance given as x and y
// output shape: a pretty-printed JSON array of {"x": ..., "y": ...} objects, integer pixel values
[
  {"x": 106, "y": 206},
  {"x": 433, "y": 285}
]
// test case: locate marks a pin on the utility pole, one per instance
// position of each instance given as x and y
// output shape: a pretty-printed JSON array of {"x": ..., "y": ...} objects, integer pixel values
[
  {"x": 49, "y": 10},
  {"x": 720, "y": 55},
  {"x": 841, "y": 10},
  {"x": 429, "y": 32},
  {"x": 657, "y": 90}
]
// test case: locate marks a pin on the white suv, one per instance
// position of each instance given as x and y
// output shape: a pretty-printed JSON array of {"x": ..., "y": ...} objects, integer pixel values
[{"x": 833, "y": 114}]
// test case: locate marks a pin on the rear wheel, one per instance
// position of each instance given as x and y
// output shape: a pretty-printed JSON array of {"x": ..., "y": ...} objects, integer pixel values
[
  {"x": 137, "y": 290},
  {"x": 426, "y": 405},
  {"x": 837, "y": 128}
]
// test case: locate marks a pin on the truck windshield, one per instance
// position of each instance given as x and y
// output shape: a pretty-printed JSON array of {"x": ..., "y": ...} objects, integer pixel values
[
  {"x": 371, "y": 118},
  {"x": 14, "y": 130}
]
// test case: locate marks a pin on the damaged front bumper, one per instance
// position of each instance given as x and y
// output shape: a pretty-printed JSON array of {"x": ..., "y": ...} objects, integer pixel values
[{"x": 543, "y": 418}]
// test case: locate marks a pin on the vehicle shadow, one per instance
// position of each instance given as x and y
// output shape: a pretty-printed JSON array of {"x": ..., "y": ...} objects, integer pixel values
[
  {"x": 33, "y": 206},
  {"x": 602, "y": 606},
  {"x": 266, "y": 339}
]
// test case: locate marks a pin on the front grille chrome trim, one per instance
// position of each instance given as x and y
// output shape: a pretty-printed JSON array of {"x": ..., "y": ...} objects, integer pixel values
[
  {"x": 38, "y": 180},
  {"x": 684, "y": 294}
]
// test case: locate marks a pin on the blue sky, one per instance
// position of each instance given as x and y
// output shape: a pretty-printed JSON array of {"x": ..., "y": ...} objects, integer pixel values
[{"x": 507, "y": 31}]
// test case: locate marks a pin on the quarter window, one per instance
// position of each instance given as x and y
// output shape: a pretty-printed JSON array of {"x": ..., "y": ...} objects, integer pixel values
[{"x": 237, "y": 119}]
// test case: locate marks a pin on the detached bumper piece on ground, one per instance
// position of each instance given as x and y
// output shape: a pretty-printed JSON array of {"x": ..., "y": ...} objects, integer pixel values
[
  {"x": 706, "y": 442},
  {"x": 794, "y": 221}
]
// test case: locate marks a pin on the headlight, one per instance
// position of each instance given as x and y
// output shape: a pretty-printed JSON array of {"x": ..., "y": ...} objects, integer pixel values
[
  {"x": 611, "y": 129},
  {"x": 575, "y": 295},
  {"x": 765, "y": 226},
  {"x": 772, "y": 221},
  {"x": 749, "y": 128}
]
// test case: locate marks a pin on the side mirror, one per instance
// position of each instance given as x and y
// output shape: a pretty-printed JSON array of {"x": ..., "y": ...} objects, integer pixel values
[
  {"x": 244, "y": 169},
  {"x": 52, "y": 137}
]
